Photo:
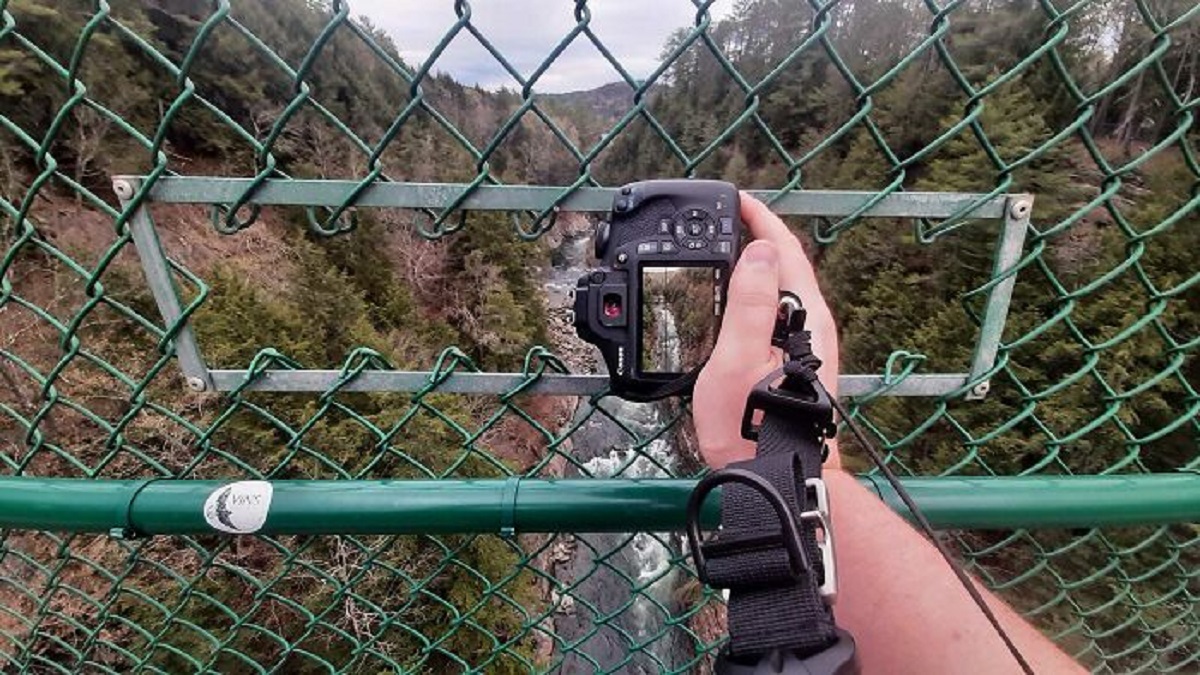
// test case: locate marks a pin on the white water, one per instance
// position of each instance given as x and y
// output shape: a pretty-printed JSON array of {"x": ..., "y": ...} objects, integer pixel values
[
  {"x": 604, "y": 451},
  {"x": 668, "y": 340},
  {"x": 652, "y": 559}
]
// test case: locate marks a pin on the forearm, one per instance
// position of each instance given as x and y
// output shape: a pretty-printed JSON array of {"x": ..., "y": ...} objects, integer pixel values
[{"x": 907, "y": 613}]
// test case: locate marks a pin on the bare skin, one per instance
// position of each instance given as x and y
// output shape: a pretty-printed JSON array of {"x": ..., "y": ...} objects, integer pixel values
[{"x": 897, "y": 596}]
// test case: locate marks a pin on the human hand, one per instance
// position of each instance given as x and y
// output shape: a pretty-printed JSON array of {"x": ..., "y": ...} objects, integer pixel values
[{"x": 743, "y": 354}]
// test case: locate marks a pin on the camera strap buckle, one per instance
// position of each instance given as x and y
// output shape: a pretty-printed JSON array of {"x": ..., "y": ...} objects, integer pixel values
[
  {"x": 808, "y": 401},
  {"x": 819, "y": 519}
]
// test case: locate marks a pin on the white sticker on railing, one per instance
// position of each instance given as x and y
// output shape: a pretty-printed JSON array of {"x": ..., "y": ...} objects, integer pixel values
[{"x": 239, "y": 508}]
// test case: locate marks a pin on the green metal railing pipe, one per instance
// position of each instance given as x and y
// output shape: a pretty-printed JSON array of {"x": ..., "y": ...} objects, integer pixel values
[
  {"x": 1043, "y": 502},
  {"x": 571, "y": 505}
]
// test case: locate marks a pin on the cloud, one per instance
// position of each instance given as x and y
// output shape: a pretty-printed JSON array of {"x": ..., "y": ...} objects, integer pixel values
[{"x": 526, "y": 32}]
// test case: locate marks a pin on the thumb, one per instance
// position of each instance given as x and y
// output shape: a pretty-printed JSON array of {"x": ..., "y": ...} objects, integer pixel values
[{"x": 745, "y": 338}]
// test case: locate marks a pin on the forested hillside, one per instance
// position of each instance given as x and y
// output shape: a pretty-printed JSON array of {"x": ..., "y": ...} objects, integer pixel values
[
  {"x": 892, "y": 290},
  {"x": 1099, "y": 365},
  {"x": 383, "y": 290}
]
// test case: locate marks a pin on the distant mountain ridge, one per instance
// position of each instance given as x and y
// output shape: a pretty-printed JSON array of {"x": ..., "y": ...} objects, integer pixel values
[{"x": 606, "y": 103}]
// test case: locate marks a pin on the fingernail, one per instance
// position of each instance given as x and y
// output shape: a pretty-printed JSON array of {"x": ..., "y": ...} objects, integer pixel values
[{"x": 759, "y": 253}]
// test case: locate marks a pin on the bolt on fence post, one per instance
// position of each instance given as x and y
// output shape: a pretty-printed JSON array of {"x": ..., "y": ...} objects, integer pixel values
[
  {"x": 1020, "y": 209},
  {"x": 123, "y": 189}
]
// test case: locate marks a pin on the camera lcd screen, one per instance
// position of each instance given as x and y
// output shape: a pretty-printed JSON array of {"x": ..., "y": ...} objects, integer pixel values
[{"x": 681, "y": 314}]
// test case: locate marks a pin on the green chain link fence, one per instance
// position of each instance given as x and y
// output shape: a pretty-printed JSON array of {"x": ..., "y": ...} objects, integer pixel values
[{"x": 93, "y": 386}]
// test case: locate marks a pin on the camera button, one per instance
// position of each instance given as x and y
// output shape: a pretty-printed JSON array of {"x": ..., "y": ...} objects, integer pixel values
[
  {"x": 647, "y": 247},
  {"x": 726, "y": 225},
  {"x": 664, "y": 226},
  {"x": 722, "y": 247},
  {"x": 710, "y": 230},
  {"x": 695, "y": 227},
  {"x": 667, "y": 247}
]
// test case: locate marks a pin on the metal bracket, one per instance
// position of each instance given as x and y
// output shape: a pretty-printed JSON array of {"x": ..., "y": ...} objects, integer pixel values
[
  {"x": 162, "y": 286},
  {"x": 1017, "y": 212},
  {"x": 1014, "y": 210}
]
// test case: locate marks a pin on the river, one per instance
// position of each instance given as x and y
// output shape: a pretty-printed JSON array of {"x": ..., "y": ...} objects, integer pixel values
[{"x": 621, "y": 587}]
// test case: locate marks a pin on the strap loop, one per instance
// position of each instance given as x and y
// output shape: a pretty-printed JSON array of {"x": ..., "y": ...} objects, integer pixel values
[{"x": 748, "y": 542}]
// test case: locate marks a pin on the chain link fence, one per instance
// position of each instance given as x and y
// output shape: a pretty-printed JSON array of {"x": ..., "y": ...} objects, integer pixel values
[{"x": 1094, "y": 372}]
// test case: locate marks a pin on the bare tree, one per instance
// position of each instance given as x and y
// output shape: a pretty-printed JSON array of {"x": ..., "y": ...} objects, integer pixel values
[{"x": 90, "y": 136}]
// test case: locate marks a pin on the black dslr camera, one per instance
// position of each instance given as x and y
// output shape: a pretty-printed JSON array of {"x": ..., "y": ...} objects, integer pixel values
[{"x": 654, "y": 306}]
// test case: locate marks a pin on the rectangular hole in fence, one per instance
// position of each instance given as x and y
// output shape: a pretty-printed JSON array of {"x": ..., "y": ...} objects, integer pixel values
[{"x": 990, "y": 306}]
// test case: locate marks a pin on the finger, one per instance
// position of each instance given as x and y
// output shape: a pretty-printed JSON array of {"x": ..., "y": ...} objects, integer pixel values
[
  {"x": 797, "y": 273},
  {"x": 745, "y": 338}
]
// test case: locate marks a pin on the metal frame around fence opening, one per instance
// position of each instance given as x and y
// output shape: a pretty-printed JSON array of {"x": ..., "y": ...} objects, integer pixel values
[{"x": 1014, "y": 210}]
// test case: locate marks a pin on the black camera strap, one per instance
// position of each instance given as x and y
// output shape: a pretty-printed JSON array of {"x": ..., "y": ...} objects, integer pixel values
[
  {"x": 774, "y": 551},
  {"x": 769, "y": 606}
]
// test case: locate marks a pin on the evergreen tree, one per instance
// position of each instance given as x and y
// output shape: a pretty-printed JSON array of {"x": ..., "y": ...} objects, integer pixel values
[{"x": 499, "y": 308}]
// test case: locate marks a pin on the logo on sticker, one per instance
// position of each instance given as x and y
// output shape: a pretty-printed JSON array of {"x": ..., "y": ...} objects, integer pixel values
[{"x": 239, "y": 508}]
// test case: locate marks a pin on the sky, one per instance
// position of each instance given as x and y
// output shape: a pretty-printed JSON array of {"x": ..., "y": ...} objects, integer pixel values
[{"x": 525, "y": 31}]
